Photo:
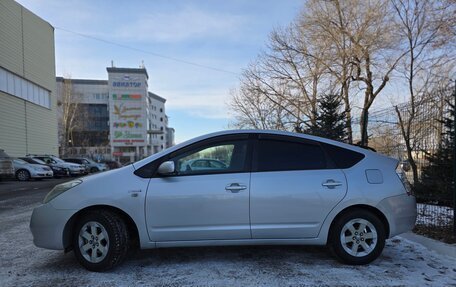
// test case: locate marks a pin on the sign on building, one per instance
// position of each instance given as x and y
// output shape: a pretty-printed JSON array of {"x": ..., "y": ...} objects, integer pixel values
[{"x": 127, "y": 109}]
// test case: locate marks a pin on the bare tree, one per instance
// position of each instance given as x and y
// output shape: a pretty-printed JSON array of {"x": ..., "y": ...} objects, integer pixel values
[
  {"x": 68, "y": 106},
  {"x": 325, "y": 22},
  {"x": 425, "y": 38},
  {"x": 374, "y": 54},
  {"x": 287, "y": 77}
]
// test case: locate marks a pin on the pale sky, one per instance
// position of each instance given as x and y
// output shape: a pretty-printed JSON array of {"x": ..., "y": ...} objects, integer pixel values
[{"x": 226, "y": 35}]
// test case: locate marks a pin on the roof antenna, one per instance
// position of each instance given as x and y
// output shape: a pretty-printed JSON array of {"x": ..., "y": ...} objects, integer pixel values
[
  {"x": 112, "y": 63},
  {"x": 142, "y": 64}
]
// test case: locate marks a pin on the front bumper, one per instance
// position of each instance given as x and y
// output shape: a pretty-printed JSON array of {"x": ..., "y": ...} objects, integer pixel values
[
  {"x": 42, "y": 174},
  {"x": 61, "y": 172},
  {"x": 400, "y": 212},
  {"x": 47, "y": 225},
  {"x": 77, "y": 171}
]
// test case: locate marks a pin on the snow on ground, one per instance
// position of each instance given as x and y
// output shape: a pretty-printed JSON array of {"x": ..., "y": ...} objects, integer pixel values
[
  {"x": 435, "y": 215},
  {"x": 403, "y": 263}
]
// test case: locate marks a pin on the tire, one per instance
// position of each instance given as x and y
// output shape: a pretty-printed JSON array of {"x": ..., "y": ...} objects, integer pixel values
[
  {"x": 352, "y": 244},
  {"x": 23, "y": 175},
  {"x": 106, "y": 224},
  {"x": 94, "y": 169}
]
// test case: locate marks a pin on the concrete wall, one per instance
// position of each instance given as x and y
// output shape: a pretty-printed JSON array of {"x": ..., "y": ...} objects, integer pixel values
[{"x": 27, "y": 50}]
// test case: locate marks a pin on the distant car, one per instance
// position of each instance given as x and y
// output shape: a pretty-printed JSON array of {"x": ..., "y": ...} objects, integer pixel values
[
  {"x": 276, "y": 188},
  {"x": 112, "y": 164},
  {"x": 25, "y": 171},
  {"x": 90, "y": 165},
  {"x": 57, "y": 171},
  {"x": 6, "y": 166},
  {"x": 73, "y": 168},
  {"x": 203, "y": 164}
]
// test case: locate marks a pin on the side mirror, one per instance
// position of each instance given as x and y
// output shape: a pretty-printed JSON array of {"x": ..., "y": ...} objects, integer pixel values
[{"x": 166, "y": 168}]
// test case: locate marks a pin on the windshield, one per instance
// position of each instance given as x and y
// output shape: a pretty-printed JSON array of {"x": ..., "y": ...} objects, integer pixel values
[
  {"x": 56, "y": 159},
  {"x": 38, "y": 161}
]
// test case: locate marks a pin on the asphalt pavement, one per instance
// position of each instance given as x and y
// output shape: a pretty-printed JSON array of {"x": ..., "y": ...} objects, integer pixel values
[{"x": 14, "y": 194}]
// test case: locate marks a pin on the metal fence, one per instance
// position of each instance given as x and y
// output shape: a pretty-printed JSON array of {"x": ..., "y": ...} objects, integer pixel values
[{"x": 431, "y": 151}]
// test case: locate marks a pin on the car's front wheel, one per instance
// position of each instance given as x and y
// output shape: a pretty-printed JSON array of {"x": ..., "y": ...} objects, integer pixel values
[
  {"x": 100, "y": 240},
  {"x": 357, "y": 237},
  {"x": 23, "y": 175}
]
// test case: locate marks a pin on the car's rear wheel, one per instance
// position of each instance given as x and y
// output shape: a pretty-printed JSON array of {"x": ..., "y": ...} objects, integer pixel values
[
  {"x": 94, "y": 169},
  {"x": 100, "y": 240},
  {"x": 357, "y": 237},
  {"x": 23, "y": 175}
]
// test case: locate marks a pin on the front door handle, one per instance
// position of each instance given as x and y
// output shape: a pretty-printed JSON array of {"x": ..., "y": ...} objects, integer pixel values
[
  {"x": 331, "y": 183},
  {"x": 235, "y": 187}
]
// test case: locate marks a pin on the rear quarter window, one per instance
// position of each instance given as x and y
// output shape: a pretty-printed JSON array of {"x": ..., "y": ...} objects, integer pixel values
[{"x": 343, "y": 158}]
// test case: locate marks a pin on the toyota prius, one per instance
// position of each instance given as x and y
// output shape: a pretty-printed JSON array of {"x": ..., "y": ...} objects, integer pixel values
[{"x": 268, "y": 187}]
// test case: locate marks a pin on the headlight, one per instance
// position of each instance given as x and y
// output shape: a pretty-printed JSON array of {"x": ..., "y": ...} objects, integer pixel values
[{"x": 60, "y": 188}]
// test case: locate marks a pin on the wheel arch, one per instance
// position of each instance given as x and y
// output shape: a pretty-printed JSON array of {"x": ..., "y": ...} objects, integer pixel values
[
  {"x": 68, "y": 231},
  {"x": 369, "y": 208}
]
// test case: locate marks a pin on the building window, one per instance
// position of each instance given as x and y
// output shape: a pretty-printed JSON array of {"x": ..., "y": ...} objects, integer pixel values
[
  {"x": 161, "y": 110},
  {"x": 26, "y": 90},
  {"x": 161, "y": 119}
]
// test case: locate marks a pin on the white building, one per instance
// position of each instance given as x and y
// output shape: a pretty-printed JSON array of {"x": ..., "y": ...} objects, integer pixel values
[{"x": 118, "y": 118}]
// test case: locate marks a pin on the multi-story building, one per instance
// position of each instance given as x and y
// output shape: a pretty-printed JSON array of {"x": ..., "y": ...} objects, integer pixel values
[
  {"x": 28, "y": 122},
  {"x": 118, "y": 118}
]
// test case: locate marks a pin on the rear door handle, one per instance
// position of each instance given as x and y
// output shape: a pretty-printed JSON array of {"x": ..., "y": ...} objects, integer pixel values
[
  {"x": 331, "y": 183},
  {"x": 235, "y": 187}
]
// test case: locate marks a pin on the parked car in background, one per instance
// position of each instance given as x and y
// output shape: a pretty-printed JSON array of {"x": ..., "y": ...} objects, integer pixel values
[
  {"x": 202, "y": 164},
  {"x": 6, "y": 166},
  {"x": 57, "y": 171},
  {"x": 112, "y": 164},
  {"x": 276, "y": 188},
  {"x": 90, "y": 165},
  {"x": 25, "y": 171},
  {"x": 73, "y": 168}
]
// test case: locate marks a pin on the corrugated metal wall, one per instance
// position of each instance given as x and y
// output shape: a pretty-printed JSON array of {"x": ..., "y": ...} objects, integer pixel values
[{"x": 27, "y": 49}]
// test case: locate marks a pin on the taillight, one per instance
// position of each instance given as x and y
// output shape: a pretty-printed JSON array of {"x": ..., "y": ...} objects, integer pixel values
[{"x": 403, "y": 177}]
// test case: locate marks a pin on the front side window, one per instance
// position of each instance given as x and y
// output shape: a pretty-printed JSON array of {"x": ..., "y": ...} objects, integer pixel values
[
  {"x": 215, "y": 158},
  {"x": 281, "y": 155}
]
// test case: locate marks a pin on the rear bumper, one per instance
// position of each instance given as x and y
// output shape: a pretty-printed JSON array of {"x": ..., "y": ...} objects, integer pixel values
[
  {"x": 400, "y": 212},
  {"x": 47, "y": 225}
]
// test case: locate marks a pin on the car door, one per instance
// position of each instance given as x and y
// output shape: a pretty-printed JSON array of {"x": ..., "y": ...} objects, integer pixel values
[
  {"x": 293, "y": 188},
  {"x": 202, "y": 204}
]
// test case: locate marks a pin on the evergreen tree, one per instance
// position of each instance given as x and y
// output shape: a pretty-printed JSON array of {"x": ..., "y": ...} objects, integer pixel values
[
  {"x": 330, "y": 119},
  {"x": 437, "y": 181}
]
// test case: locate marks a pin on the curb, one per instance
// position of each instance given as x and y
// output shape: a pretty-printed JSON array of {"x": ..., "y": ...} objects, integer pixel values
[{"x": 431, "y": 244}]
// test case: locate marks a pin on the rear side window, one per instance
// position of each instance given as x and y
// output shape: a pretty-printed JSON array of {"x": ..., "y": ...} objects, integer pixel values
[
  {"x": 343, "y": 158},
  {"x": 277, "y": 155}
]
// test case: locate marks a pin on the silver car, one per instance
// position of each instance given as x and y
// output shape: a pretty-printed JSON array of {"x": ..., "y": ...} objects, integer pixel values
[
  {"x": 25, "y": 171},
  {"x": 276, "y": 188}
]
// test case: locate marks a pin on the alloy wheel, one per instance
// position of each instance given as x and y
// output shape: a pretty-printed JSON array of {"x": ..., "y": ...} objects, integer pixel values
[
  {"x": 93, "y": 242},
  {"x": 23, "y": 175},
  {"x": 358, "y": 237}
]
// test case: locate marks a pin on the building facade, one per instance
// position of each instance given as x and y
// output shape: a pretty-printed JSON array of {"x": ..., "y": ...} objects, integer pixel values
[
  {"x": 115, "y": 119},
  {"x": 28, "y": 121}
]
